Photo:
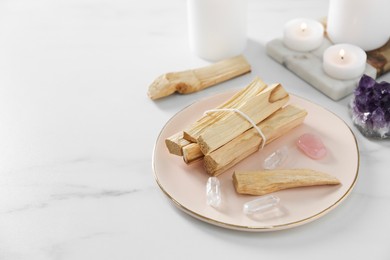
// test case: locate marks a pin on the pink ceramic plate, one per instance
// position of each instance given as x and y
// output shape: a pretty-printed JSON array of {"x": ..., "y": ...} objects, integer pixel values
[{"x": 185, "y": 184}]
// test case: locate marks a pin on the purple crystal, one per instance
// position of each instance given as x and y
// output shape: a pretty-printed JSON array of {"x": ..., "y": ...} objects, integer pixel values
[{"x": 370, "y": 107}]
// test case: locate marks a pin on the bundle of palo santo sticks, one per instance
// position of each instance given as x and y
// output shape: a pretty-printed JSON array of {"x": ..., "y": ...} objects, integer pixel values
[{"x": 224, "y": 138}]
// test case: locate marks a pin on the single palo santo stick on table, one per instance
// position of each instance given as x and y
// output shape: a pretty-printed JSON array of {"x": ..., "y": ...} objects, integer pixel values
[
  {"x": 237, "y": 101},
  {"x": 264, "y": 182},
  {"x": 177, "y": 142},
  {"x": 194, "y": 80},
  {"x": 249, "y": 142},
  {"x": 256, "y": 108}
]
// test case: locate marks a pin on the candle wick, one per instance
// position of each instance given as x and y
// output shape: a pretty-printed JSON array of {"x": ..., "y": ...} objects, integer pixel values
[
  {"x": 303, "y": 27},
  {"x": 342, "y": 53}
]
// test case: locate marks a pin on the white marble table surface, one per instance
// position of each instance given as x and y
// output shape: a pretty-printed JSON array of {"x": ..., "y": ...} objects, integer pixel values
[{"x": 77, "y": 133}]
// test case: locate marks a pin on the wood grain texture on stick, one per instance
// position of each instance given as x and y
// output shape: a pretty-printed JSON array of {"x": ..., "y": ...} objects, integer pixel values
[
  {"x": 380, "y": 59},
  {"x": 278, "y": 124},
  {"x": 192, "y": 153},
  {"x": 193, "y": 132},
  {"x": 188, "y": 81},
  {"x": 264, "y": 182},
  {"x": 178, "y": 141},
  {"x": 175, "y": 143},
  {"x": 257, "y": 108}
]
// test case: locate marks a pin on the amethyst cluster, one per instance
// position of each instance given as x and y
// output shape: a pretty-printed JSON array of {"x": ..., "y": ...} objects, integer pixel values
[{"x": 370, "y": 108}]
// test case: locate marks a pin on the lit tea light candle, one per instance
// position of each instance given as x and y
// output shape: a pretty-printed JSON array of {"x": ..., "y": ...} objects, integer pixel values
[
  {"x": 344, "y": 61},
  {"x": 303, "y": 34}
]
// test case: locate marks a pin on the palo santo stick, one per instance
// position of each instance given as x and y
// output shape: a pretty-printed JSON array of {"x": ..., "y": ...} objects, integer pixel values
[
  {"x": 264, "y": 182},
  {"x": 257, "y": 108},
  {"x": 287, "y": 114},
  {"x": 194, "y": 80},
  {"x": 237, "y": 101},
  {"x": 175, "y": 143},
  {"x": 192, "y": 153},
  {"x": 249, "y": 142}
]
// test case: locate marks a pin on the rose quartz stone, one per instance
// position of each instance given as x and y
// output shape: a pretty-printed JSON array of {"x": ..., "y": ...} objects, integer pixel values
[{"x": 312, "y": 146}]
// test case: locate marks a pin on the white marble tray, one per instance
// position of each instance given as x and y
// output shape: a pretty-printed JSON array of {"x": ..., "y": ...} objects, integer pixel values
[{"x": 308, "y": 66}]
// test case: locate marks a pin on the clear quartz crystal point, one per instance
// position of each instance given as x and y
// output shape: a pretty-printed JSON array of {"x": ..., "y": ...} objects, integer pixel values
[
  {"x": 276, "y": 158},
  {"x": 213, "y": 192},
  {"x": 261, "y": 204}
]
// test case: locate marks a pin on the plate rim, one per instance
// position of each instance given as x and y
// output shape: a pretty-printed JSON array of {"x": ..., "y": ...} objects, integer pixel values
[{"x": 253, "y": 228}]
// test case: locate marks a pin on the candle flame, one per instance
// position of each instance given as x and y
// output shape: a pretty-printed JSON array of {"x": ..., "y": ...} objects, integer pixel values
[
  {"x": 342, "y": 53},
  {"x": 303, "y": 27}
]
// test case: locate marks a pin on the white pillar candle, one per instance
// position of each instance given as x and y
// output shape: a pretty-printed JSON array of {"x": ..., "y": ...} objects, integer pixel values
[
  {"x": 365, "y": 23},
  {"x": 344, "y": 61},
  {"x": 303, "y": 34},
  {"x": 217, "y": 28}
]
